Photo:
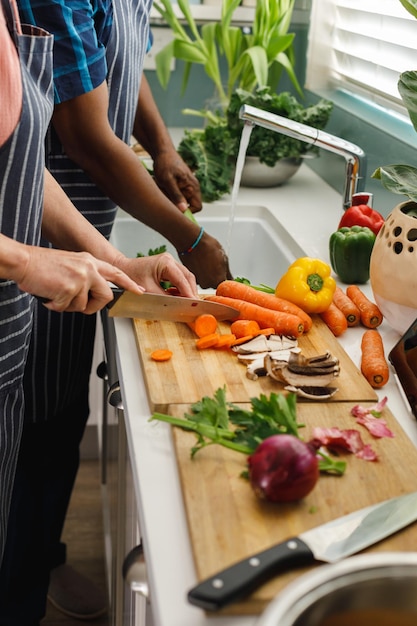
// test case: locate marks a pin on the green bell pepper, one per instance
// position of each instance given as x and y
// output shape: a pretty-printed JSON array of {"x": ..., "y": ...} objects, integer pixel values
[{"x": 350, "y": 253}]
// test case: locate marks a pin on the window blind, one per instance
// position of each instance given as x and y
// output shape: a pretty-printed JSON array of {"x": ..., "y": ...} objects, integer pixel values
[{"x": 362, "y": 46}]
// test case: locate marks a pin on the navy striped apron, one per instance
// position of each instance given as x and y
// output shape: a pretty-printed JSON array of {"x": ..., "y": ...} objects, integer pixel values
[
  {"x": 57, "y": 375},
  {"x": 21, "y": 200}
]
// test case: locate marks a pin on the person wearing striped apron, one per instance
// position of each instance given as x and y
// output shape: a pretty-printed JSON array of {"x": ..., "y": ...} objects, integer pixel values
[
  {"x": 21, "y": 175},
  {"x": 56, "y": 381},
  {"x": 26, "y": 106}
]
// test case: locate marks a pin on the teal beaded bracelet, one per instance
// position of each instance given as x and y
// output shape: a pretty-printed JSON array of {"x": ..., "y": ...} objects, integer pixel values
[{"x": 195, "y": 244}]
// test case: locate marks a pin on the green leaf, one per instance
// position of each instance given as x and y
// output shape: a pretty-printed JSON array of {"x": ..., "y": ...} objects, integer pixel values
[
  {"x": 407, "y": 86},
  {"x": 185, "y": 8},
  {"x": 400, "y": 179},
  {"x": 283, "y": 60},
  {"x": 163, "y": 64},
  {"x": 189, "y": 52},
  {"x": 410, "y": 6},
  {"x": 208, "y": 153},
  {"x": 279, "y": 44},
  {"x": 259, "y": 61}
]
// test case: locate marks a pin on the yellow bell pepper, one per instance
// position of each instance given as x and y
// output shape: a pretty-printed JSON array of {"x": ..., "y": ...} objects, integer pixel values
[{"x": 308, "y": 284}]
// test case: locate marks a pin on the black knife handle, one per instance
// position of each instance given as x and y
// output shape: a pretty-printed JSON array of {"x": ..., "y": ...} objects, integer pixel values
[
  {"x": 240, "y": 579},
  {"x": 117, "y": 292}
]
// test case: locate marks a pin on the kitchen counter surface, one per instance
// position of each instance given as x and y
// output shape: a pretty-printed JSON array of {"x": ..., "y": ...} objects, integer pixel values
[{"x": 309, "y": 210}]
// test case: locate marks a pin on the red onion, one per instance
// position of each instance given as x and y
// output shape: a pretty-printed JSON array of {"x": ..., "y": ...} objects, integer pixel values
[{"x": 283, "y": 468}]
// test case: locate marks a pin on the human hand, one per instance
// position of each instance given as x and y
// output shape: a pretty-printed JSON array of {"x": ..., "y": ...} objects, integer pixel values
[
  {"x": 208, "y": 262},
  {"x": 150, "y": 271},
  {"x": 176, "y": 180},
  {"x": 71, "y": 281}
]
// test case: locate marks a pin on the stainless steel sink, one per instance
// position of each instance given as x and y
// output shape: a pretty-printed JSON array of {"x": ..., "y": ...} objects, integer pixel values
[{"x": 260, "y": 248}]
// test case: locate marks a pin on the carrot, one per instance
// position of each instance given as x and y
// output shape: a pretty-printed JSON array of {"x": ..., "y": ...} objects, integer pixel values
[
  {"x": 208, "y": 341},
  {"x": 335, "y": 320},
  {"x": 225, "y": 341},
  {"x": 347, "y": 306},
  {"x": 204, "y": 324},
  {"x": 371, "y": 316},
  {"x": 283, "y": 323},
  {"x": 374, "y": 365},
  {"x": 161, "y": 355},
  {"x": 241, "y": 340},
  {"x": 242, "y": 328},
  {"x": 266, "y": 331},
  {"x": 240, "y": 291}
]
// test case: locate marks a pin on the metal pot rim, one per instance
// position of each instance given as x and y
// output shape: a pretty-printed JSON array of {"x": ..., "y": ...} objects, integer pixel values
[{"x": 290, "y": 603}]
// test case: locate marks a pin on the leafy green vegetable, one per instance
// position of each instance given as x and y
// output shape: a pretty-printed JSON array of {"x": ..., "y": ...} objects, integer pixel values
[
  {"x": 266, "y": 144},
  {"x": 209, "y": 153},
  {"x": 216, "y": 421},
  {"x": 153, "y": 252},
  {"x": 261, "y": 287},
  {"x": 212, "y": 152}
]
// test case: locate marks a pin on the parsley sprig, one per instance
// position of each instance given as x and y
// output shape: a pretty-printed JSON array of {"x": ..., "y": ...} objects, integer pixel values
[{"x": 216, "y": 421}]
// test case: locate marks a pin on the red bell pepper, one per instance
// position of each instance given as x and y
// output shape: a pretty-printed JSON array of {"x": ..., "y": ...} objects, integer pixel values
[{"x": 362, "y": 215}]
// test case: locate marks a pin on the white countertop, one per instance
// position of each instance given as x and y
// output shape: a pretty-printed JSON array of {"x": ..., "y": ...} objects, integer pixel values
[{"x": 310, "y": 211}]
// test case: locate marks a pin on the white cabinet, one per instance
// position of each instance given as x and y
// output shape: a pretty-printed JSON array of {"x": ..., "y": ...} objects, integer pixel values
[{"x": 124, "y": 562}]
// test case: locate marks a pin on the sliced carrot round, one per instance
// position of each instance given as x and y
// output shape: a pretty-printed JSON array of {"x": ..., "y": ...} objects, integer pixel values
[
  {"x": 161, "y": 355},
  {"x": 267, "y": 331},
  {"x": 225, "y": 341},
  {"x": 208, "y": 341},
  {"x": 237, "y": 342},
  {"x": 243, "y": 328},
  {"x": 205, "y": 324}
]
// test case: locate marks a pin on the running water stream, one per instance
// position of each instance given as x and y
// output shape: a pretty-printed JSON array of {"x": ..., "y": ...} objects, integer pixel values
[{"x": 243, "y": 146}]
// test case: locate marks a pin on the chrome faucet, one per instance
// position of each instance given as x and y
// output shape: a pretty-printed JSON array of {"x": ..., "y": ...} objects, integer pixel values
[{"x": 353, "y": 155}]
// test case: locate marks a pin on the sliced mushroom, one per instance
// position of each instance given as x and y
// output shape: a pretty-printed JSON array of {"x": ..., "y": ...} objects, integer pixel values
[
  {"x": 265, "y": 344},
  {"x": 257, "y": 344},
  {"x": 313, "y": 393},
  {"x": 300, "y": 371},
  {"x": 256, "y": 369},
  {"x": 283, "y": 355}
]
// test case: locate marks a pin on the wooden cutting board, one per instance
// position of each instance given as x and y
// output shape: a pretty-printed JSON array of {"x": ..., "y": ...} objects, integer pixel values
[
  {"x": 227, "y": 522},
  {"x": 192, "y": 374}
]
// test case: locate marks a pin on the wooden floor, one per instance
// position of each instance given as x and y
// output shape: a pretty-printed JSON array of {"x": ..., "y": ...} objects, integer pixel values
[{"x": 83, "y": 534}]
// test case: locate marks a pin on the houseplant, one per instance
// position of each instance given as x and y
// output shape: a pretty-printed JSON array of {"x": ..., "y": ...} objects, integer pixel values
[
  {"x": 399, "y": 178},
  {"x": 393, "y": 268},
  {"x": 252, "y": 63},
  {"x": 252, "y": 57}
]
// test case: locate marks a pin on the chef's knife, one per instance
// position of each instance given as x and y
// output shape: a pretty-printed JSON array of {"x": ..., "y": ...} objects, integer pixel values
[
  {"x": 150, "y": 306},
  {"x": 329, "y": 542}
]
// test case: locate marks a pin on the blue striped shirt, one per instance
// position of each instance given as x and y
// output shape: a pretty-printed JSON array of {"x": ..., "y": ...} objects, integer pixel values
[{"x": 81, "y": 31}]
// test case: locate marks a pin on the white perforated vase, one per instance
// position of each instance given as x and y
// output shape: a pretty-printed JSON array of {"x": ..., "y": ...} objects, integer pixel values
[{"x": 393, "y": 267}]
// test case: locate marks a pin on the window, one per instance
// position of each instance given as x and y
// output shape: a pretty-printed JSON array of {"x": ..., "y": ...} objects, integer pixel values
[{"x": 361, "y": 46}]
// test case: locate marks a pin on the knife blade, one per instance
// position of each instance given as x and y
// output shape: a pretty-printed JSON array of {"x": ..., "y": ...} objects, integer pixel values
[
  {"x": 327, "y": 543},
  {"x": 150, "y": 306}
]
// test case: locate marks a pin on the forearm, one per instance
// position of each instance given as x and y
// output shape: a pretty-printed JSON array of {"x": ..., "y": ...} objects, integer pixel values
[
  {"x": 14, "y": 257},
  {"x": 115, "y": 169},
  {"x": 65, "y": 227},
  {"x": 149, "y": 128}
]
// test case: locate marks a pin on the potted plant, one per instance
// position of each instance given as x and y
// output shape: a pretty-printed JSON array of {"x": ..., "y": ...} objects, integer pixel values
[
  {"x": 212, "y": 151},
  {"x": 252, "y": 65},
  {"x": 402, "y": 179},
  {"x": 254, "y": 56},
  {"x": 393, "y": 268}
]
